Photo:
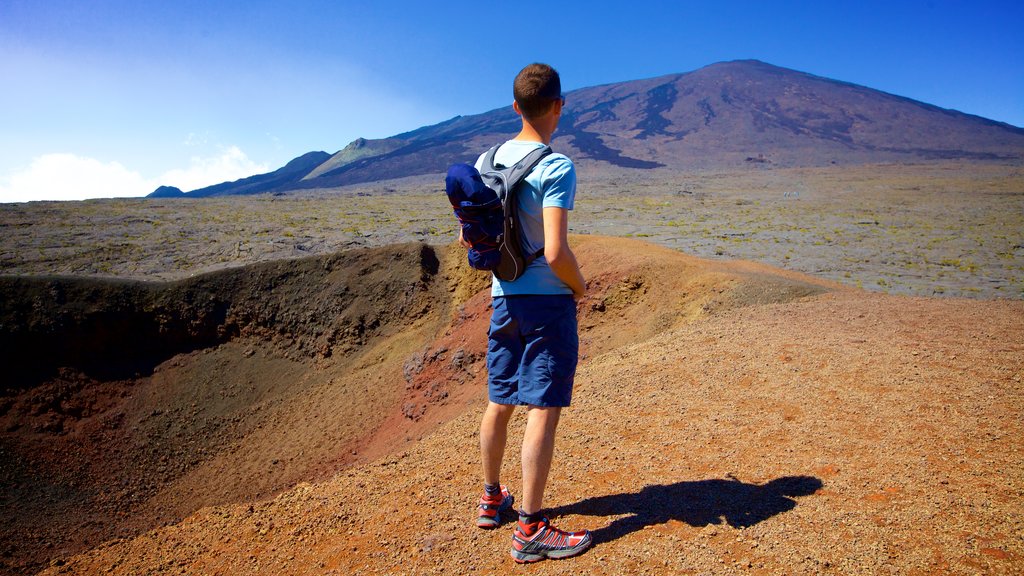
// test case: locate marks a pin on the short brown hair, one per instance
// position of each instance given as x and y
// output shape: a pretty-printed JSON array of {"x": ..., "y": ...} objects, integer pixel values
[{"x": 535, "y": 88}]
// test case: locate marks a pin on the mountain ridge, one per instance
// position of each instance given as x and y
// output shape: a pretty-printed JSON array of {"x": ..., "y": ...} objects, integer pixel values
[{"x": 724, "y": 115}]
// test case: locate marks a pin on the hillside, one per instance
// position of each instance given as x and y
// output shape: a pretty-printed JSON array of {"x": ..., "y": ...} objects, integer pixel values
[
  {"x": 729, "y": 417},
  {"x": 723, "y": 116},
  {"x": 281, "y": 179}
]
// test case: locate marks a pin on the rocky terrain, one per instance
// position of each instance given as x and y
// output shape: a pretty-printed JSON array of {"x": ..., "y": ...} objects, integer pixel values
[
  {"x": 318, "y": 415},
  {"x": 946, "y": 228},
  {"x": 780, "y": 374}
]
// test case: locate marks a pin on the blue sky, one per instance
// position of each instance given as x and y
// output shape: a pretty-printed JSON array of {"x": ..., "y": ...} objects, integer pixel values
[{"x": 110, "y": 98}]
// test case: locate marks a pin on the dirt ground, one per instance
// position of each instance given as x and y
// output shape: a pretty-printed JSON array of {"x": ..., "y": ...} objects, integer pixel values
[
  {"x": 261, "y": 387},
  {"x": 728, "y": 418}
]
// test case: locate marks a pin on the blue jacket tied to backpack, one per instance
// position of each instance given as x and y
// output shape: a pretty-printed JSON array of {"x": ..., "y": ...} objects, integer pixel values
[
  {"x": 479, "y": 212},
  {"x": 486, "y": 207}
]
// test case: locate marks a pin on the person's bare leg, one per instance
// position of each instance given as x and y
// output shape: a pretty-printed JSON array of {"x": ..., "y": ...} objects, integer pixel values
[
  {"x": 493, "y": 433},
  {"x": 538, "y": 448}
]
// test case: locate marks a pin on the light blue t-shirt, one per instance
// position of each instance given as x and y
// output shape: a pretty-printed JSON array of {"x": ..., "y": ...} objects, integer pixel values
[{"x": 552, "y": 183}]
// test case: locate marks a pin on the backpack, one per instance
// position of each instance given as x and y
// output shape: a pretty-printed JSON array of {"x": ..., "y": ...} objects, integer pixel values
[{"x": 485, "y": 206}]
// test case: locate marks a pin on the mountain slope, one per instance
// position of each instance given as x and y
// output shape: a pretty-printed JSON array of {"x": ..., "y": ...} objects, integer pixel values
[
  {"x": 356, "y": 150},
  {"x": 280, "y": 179},
  {"x": 724, "y": 115}
]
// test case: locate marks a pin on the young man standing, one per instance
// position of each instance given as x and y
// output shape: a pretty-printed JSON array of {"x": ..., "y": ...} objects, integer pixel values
[{"x": 533, "y": 343}]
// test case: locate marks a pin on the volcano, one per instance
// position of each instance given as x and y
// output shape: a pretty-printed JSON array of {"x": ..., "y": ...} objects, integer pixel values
[{"x": 722, "y": 116}]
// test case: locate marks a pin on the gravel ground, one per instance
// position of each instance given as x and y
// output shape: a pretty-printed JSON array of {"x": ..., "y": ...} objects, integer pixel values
[
  {"x": 947, "y": 229},
  {"x": 841, "y": 432}
]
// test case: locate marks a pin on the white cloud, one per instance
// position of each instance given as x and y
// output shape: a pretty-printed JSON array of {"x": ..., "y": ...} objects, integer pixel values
[
  {"x": 73, "y": 177},
  {"x": 231, "y": 165}
]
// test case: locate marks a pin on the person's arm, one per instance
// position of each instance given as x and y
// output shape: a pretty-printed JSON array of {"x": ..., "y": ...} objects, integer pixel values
[{"x": 557, "y": 252}]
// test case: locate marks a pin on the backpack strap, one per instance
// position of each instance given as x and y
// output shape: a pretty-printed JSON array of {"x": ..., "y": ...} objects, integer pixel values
[
  {"x": 513, "y": 176},
  {"x": 520, "y": 169},
  {"x": 488, "y": 164}
]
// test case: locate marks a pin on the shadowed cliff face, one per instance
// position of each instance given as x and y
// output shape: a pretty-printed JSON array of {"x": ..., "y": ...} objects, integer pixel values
[
  {"x": 135, "y": 403},
  {"x": 114, "y": 329},
  {"x": 730, "y": 114}
]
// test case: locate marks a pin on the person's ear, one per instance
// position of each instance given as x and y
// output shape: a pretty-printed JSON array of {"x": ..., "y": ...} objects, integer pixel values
[{"x": 515, "y": 106}]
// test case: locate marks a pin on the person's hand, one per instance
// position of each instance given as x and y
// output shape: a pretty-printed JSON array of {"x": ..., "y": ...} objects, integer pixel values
[{"x": 462, "y": 241}]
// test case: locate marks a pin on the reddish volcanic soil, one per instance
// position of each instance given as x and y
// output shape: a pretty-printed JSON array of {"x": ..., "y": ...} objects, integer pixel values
[{"x": 728, "y": 418}]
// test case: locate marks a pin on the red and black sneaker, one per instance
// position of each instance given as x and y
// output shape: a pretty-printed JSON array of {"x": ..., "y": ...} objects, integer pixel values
[
  {"x": 488, "y": 512},
  {"x": 546, "y": 541}
]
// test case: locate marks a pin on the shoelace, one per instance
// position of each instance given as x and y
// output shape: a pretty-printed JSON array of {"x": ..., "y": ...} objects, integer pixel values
[
  {"x": 554, "y": 537},
  {"x": 548, "y": 536}
]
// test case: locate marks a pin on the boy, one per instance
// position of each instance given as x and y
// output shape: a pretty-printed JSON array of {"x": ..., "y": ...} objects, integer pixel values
[{"x": 533, "y": 342}]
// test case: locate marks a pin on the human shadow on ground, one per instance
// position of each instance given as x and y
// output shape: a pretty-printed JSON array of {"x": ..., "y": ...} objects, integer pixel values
[{"x": 698, "y": 503}]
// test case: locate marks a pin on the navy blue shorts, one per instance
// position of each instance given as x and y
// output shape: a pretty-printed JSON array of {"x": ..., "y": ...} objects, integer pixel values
[{"x": 532, "y": 350}]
